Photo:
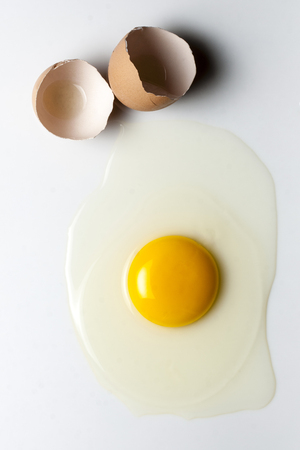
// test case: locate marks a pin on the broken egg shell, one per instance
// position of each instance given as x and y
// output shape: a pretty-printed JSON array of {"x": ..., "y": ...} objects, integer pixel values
[
  {"x": 72, "y": 100},
  {"x": 151, "y": 68}
]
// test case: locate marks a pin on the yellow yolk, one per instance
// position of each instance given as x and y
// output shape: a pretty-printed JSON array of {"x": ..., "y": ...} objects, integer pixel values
[{"x": 173, "y": 281}]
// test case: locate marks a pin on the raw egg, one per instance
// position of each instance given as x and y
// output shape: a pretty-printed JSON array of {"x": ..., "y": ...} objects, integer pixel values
[
  {"x": 72, "y": 100},
  {"x": 170, "y": 263}
]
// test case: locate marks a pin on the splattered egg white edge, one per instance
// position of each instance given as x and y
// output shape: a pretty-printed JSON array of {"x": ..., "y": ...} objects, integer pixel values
[{"x": 191, "y": 153}]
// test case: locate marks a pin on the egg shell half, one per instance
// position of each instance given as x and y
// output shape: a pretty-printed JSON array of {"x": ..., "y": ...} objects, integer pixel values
[
  {"x": 72, "y": 100},
  {"x": 151, "y": 68}
]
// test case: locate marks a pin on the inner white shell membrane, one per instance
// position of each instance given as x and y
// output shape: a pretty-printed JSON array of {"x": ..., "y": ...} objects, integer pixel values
[
  {"x": 73, "y": 100},
  {"x": 154, "y": 49},
  {"x": 177, "y": 178}
]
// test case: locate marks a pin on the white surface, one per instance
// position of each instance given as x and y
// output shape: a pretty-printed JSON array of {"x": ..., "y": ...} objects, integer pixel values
[{"x": 49, "y": 396}]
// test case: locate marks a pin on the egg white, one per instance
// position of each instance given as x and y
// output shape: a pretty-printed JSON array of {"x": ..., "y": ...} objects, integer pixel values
[{"x": 177, "y": 178}]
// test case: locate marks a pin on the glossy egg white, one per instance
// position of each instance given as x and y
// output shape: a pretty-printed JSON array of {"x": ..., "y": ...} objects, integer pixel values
[{"x": 177, "y": 178}]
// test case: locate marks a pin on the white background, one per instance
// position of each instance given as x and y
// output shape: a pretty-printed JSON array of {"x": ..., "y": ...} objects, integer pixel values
[{"x": 49, "y": 397}]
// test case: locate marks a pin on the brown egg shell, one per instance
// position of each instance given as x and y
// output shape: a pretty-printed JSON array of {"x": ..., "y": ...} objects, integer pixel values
[
  {"x": 72, "y": 100},
  {"x": 151, "y": 68}
]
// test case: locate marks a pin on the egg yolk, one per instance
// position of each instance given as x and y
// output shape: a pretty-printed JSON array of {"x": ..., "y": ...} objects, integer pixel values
[{"x": 173, "y": 281}]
